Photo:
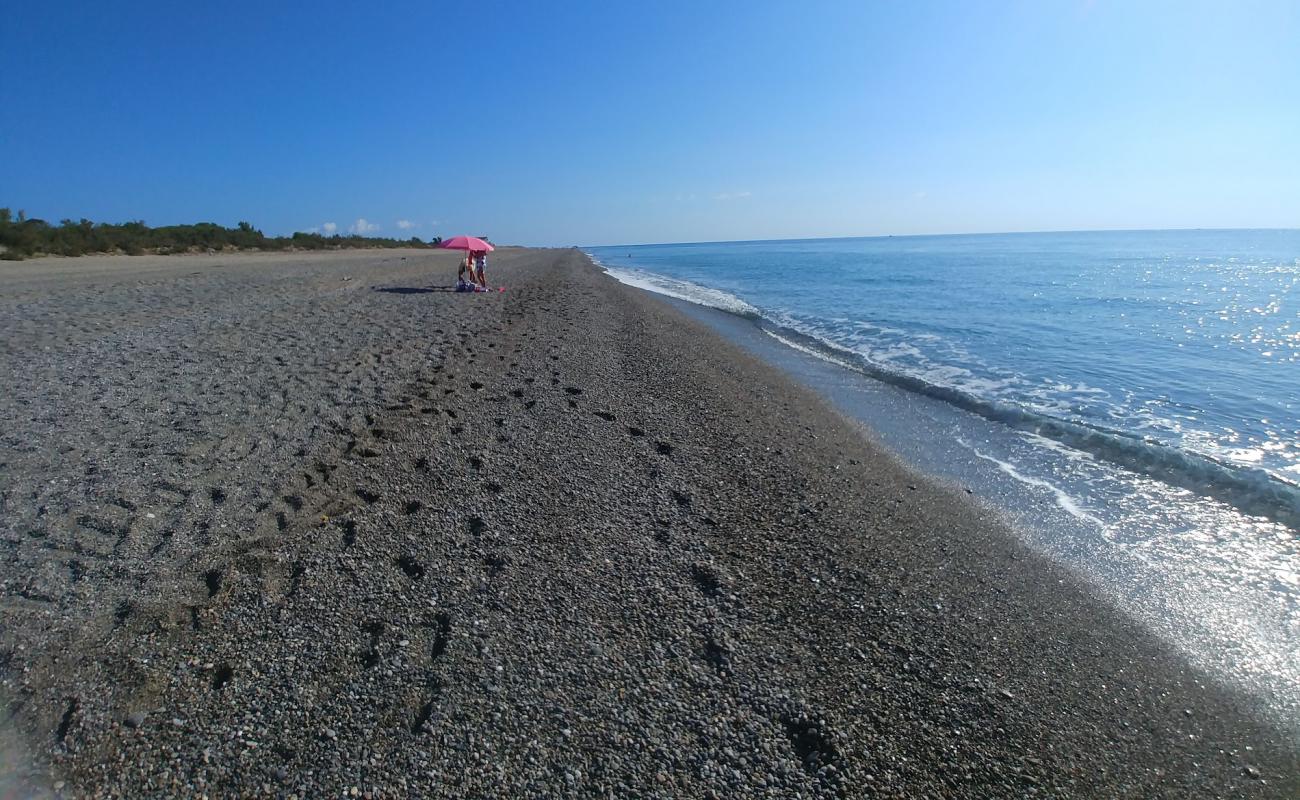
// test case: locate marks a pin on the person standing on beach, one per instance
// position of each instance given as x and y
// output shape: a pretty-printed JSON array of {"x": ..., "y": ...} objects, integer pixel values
[
  {"x": 480, "y": 266},
  {"x": 467, "y": 264}
]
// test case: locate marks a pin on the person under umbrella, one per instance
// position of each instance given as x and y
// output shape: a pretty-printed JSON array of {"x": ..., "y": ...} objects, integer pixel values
[
  {"x": 472, "y": 246},
  {"x": 480, "y": 266},
  {"x": 466, "y": 265}
]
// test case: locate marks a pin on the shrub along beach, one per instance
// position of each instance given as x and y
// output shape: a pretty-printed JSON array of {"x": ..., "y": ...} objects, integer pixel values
[
  {"x": 307, "y": 524},
  {"x": 21, "y": 238}
]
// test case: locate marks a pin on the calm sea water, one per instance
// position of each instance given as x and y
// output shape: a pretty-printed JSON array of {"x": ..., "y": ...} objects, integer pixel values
[
  {"x": 1176, "y": 351},
  {"x": 1146, "y": 383}
]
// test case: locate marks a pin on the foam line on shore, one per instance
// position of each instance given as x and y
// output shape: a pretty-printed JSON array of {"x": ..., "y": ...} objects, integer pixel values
[
  {"x": 683, "y": 290},
  {"x": 1063, "y": 499}
]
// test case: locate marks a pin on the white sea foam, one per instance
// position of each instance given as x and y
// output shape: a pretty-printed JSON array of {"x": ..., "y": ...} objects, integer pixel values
[
  {"x": 1063, "y": 498},
  {"x": 683, "y": 290},
  {"x": 812, "y": 351}
]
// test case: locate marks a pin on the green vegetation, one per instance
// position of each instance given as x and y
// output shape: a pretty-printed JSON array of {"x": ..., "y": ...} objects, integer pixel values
[{"x": 21, "y": 237}]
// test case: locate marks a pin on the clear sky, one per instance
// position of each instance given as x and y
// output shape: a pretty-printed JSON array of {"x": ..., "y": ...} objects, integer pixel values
[{"x": 613, "y": 122}]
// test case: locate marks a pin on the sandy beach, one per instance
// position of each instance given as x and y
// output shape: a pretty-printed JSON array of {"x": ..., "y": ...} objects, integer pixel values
[{"x": 310, "y": 525}]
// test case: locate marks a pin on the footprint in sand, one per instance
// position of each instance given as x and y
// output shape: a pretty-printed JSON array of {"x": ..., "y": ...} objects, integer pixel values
[
  {"x": 413, "y": 569},
  {"x": 212, "y": 579}
]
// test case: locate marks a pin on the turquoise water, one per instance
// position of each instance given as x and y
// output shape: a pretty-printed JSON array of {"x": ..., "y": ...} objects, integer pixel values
[
  {"x": 1172, "y": 353},
  {"x": 1130, "y": 400}
]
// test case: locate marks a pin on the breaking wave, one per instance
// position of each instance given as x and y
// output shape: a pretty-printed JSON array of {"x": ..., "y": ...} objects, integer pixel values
[{"x": 683, "y": 290}]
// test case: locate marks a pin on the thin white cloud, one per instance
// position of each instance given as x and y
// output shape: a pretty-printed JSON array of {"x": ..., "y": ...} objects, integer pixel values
[
  {"x": 732, "y": 195},
  {"x": 405, "y": 224},
  {"x": 330, "y": 228},
  {"x": 361, "y": 227}
]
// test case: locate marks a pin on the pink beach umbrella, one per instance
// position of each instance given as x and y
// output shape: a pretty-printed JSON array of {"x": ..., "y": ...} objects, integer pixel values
[
  {"x": 466, "y": 243},
  {"x": 472, "y": 244}
]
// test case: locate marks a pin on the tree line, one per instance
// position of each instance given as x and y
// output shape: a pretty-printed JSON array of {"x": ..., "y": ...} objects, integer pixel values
[{"x": 22, "y": 237}]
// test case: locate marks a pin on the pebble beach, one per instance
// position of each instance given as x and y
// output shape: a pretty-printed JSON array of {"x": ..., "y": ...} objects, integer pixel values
[{"x": 311, "y": 525}]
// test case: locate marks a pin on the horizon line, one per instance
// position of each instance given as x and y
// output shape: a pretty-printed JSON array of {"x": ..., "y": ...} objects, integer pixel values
[{"x": 932, "y": 235}]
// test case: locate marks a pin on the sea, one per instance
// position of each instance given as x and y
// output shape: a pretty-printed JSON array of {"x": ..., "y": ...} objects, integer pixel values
[{"x": 1129, "y": 401}]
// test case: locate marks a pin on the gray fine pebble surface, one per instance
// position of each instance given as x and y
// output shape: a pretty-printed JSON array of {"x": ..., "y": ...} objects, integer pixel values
[{"x": 310, "y": 526}]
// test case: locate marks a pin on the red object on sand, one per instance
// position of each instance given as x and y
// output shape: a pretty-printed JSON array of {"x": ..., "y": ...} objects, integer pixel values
[{"x": 466, "y": 243}]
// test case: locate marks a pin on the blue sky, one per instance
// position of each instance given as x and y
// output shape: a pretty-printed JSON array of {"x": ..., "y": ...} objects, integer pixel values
[{"x": 611, "y": 122}]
